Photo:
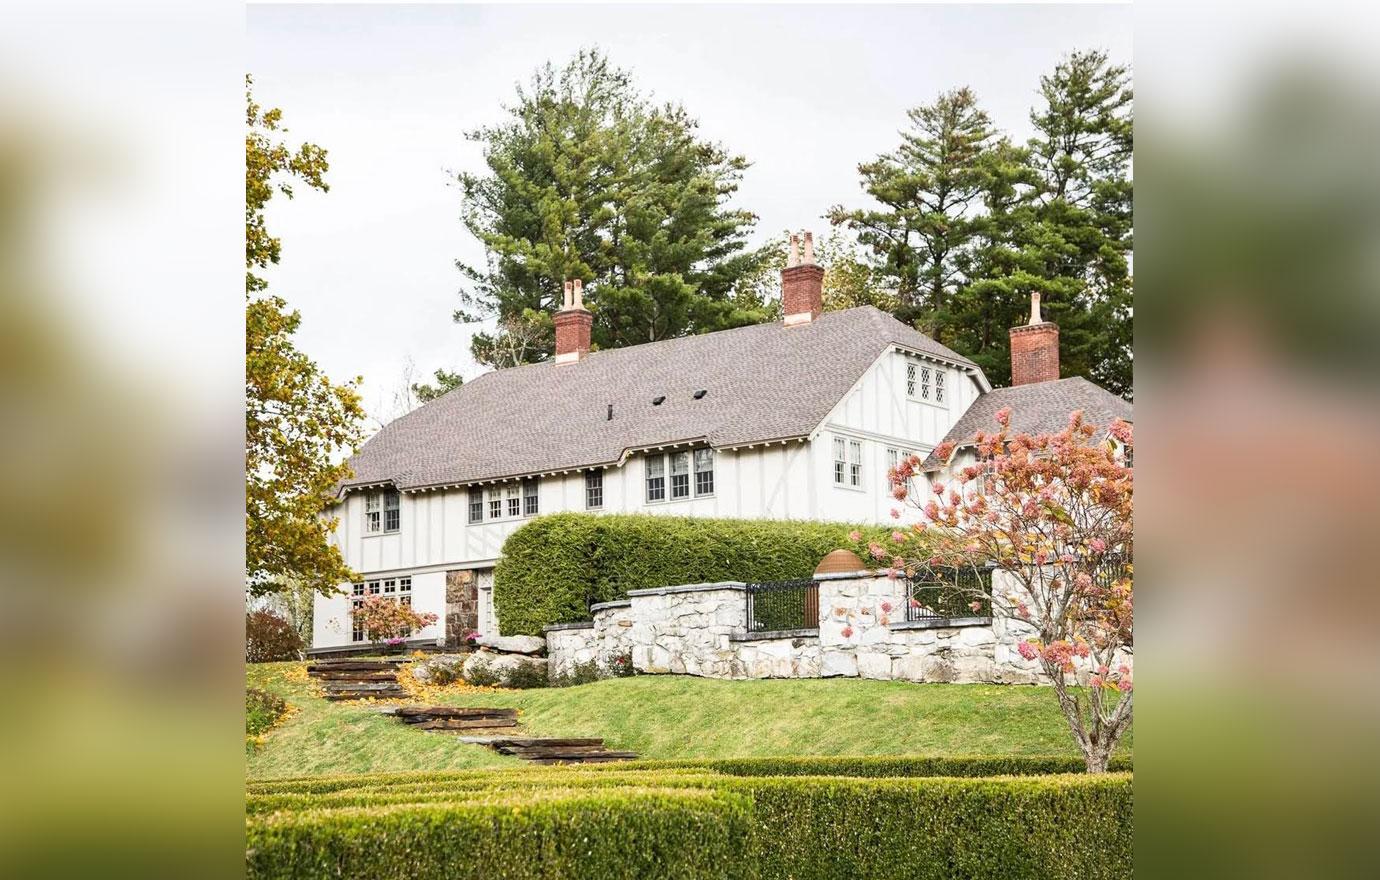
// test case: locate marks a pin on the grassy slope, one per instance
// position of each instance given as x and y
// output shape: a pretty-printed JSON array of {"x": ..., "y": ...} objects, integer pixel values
[{"x": 677, "y": 717}]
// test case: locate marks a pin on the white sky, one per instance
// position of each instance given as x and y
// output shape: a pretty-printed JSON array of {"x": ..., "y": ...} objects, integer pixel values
[{"x": 805, "y": 92}]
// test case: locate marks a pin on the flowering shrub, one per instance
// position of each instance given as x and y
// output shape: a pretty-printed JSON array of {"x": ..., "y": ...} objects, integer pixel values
[
  {"x": 268, "y": 637},
  {"x": 390, "y": 621},
  {"x": 621, "y": 665},
  {"x": 472, "y": 638},
  {"x": 1055, "y": 514}
]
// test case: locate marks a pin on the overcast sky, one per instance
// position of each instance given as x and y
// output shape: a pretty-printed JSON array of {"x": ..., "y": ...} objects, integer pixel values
[{"x": 805, "y": 92}]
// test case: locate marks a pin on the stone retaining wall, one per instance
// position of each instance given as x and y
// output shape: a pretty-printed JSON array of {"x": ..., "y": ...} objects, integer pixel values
[{"x": 701, "y": 629}]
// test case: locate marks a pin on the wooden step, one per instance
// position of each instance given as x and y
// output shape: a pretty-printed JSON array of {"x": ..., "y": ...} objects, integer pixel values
[
  {"x": 424, "y": 712},
  {"x": 355, "y": 676},
  {"x": 372, "y": 695},
  {"x": 354, "y": 666},
  {"x": 465, "y": 723}
]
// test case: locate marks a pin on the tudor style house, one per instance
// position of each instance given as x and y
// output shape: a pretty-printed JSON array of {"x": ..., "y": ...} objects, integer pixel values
[{"x": 799, "y": 419}]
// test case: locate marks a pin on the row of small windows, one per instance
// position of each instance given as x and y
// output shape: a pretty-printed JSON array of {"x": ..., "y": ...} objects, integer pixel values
[
  {"x": 505, "y": 501},
  {"x": 924, "y": 382},
  {"x": 689, "y": 472},
  {"x": 679, "y": 466}
]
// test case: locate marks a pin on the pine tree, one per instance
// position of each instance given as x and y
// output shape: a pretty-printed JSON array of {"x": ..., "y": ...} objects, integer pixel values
[{"x": 589, "y": 179}]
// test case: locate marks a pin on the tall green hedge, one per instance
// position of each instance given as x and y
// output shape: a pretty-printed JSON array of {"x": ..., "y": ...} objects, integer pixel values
[
  {"x": 578, "y": 823},
  {"x": 554, "y": 566}
]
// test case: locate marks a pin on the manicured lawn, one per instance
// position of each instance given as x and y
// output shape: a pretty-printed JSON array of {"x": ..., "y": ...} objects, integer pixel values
[{"x": 666, "y": 716}]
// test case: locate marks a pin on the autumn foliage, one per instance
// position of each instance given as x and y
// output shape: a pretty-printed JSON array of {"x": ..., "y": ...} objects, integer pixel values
[
  {"x": 1054, "y": 512},
  {"x": 388, "y": 619}
]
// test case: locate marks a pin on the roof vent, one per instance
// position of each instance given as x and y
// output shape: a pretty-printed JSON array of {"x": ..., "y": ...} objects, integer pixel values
[
  {"x": 658, "y": 401},
  {"x": 701, "y": 393},
  {"x": 610, "y": 418}
]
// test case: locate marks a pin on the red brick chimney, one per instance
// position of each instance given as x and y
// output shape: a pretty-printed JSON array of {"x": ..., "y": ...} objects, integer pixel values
[
  {"x": 802, "y": 284},
  {"x": 1034, "y": 348},
  {"x": 573, "y": 323}
]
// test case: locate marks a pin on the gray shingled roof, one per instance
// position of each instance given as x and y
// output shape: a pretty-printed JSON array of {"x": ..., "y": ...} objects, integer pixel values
[
  {"x": 763, "y": 382},
  {"x": 1039, "y": 408}
]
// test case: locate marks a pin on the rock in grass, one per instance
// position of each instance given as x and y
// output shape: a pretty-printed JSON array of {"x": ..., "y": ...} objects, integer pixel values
[{"x": 513, "y": 644}]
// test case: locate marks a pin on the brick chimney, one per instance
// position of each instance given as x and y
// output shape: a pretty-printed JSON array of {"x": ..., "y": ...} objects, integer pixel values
[
  {"x": 573, "y": 323},
  {"x": 802, "y": 284},
  {"x": 1034, "y": 348}
]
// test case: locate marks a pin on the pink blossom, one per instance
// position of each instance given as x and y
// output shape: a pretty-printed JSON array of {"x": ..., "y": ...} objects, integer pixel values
[
  {"x": 1095, "y": 681},
  {"x": 1098, "y": 545},
  {"x": 975, "y": 605},
  {"x": 944, "y": 450},
  {"x": 938, "y": 489},
  {"x": 892, "y": 573},
  {"x": 895, "y": 514},
  {"x": 1121, "y": 431},
  {"x": 1124, "y": 685},
  {"x": 899, "y": 492},
  {"x": 847, "y": 632},
  {"x": 886, "y": 607},
  {"x": 1028, "y": 650},
  {"x": 876, "y": 550},
  {"x": 855, "y": 536}
]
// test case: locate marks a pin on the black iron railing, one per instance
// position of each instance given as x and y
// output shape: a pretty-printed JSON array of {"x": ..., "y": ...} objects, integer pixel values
[
  {"x": 939, "y": 592},
  {"x": 783, "y": 605}
]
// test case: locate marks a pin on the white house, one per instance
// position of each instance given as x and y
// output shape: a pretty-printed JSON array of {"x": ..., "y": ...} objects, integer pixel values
[{"x": 799, "y": 419}]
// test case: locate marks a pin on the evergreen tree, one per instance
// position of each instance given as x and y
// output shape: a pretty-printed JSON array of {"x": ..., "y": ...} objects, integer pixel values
[
  {"x": 930, "y": 189},
  {"x": 589, "y": 179}
]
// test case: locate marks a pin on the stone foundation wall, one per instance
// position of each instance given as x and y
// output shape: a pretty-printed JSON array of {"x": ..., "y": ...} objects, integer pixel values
[
  {"x": 462, "y": 605},
  {"x": 700, "y": 629}
]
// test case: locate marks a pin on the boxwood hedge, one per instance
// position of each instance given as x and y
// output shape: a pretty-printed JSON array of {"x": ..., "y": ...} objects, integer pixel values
[
  {"x": 667, "y": 822},
  {"x": 555, "y": 566}
]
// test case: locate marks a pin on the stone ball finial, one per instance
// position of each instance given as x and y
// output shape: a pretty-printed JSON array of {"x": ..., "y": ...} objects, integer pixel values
[{"x": 840, "y": 561}]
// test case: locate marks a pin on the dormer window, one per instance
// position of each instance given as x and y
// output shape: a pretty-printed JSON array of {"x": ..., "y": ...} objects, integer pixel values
[{"x": 382, "y": 512}]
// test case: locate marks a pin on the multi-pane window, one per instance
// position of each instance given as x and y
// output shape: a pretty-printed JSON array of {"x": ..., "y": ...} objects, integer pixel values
[
  {"x": 392, "y": 511},
  {"x": 679, "y": 466},
  {"x": 373, "y": 521},
  {"x": 704, "y": 472},
  {"x": 840, "y": 460},
  {"x": 594, "y": 490},
  {"x": 854, "y": 462},
  {"x": 382, "y": 512},
  {"x": 506, "y": 500},
  {"x": 925, "y": 382},
  {"x": 530, "y": 499},
  {"x": 656, "y": 478},
  {"x": 680, "y": 475},
  {"x": 893, "y": 458},
  {"x": 398, "y": 589}
]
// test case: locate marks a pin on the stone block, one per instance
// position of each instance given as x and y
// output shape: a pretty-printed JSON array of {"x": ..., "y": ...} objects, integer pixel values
[
  {"x": 836, "y": 663},
  {"x": 876, "y": 666},
  {"x": 977, "y": 635},
  {"x": 513, "y": 644}
]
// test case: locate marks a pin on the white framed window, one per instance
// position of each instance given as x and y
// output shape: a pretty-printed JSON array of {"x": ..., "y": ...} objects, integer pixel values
[
  {"x": 691, "y": 472},
  {"x": 893, "y": 458},
  {"x": 396, "y": 588},
  {"x": 840, "y": 460},
  {"x": 926, "y": 382},
  {"x": 680, "y": 475},
  {"x": 656, "y": 478},
  {"x": 855, "y": 462},
  {"x": 847, "y": 462},
  {"x": 594, "y": 490},
  {"x": 382, "y": 512},
  {"x": 511, "y": 500},
  {"x": 704, "y": 472}
]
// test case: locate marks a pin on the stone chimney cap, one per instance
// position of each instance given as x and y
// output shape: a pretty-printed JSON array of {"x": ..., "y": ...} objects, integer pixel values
[
  {"x": 1035, "y": 308},
  {"x": 574, "y": 297}
]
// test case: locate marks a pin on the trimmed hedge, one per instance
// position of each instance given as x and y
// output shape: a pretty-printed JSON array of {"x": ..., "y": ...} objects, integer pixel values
[
  {"x": 598, "y": 822},
  {"x": 628, "y": 833},
  {"x": 880, "y": 766},
  {"x": 555, "y": 566}
]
